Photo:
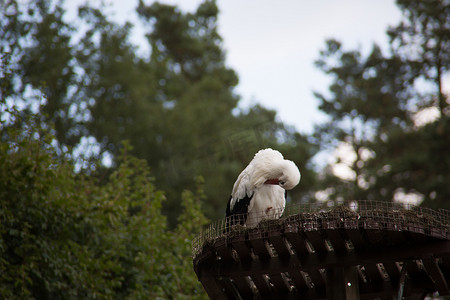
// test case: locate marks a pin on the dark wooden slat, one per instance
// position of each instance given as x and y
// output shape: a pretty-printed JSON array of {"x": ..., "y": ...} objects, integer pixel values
[
  {"x": 392, "y": 270},
  {"x": 303, "y": 291},
  {"x": 280, "y": 245},
  {"x": 222, "y": 248},
  {"x": 335, "y": 237},
  {"x": 342, "y": 283},
  {"x": 230, "y": 289},
  {"x": 402, "y": 280},
  {"x": 351, "y": 281},
  {"x": 372, "y": 272},
  {"x": 446, "y": 263},
  {"x": 256, "y": 240},
  {"x": 332, "y": 230},
  {"x": 319, "y": 283},
  {"x": 296, "y": 240},
  {"x": 317, "y": 278},
  {"x": 243, "y": 287},
  {"x": 316, "y": 240},
  {"x": 355, "y": 236},
  {"x": 239, "y": 244},
  {"x": 434, "y": 271},
  {"x": 260, "y": 249},
  {"x": 211, "y": 284},
  {"x": 335, "y": 285},
  {"x": 298, "y": 280},
  {"x": 416, "y": 275},
  {"x": 412, "y": 268},
  {"x": 281, "y": 287},
  {"x": 264, "y": 290}
]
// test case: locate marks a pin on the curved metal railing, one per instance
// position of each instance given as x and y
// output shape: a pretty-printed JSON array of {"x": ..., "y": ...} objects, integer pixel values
[{"x": 311, "y": 216}]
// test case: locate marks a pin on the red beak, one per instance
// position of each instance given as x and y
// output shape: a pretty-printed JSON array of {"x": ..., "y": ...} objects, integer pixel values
[{"x": 272, "y": 181}]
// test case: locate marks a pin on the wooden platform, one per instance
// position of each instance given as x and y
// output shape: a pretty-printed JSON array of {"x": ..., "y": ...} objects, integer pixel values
[{"x": 338, "y": 254}]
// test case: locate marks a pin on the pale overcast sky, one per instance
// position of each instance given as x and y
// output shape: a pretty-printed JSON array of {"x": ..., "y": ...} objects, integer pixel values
[{"x": 272, "y": 45}]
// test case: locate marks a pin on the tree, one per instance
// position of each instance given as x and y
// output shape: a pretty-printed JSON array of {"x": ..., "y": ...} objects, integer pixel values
[
  {"x": 421, "y": 43},
  {"x": 202, "y": 133},
  {"x": 374, "y": 106},
  {"x": 361, "y": 106},
  {"x": 118, "y": 88},
  {"x": 37, "y": 43},
  {"x": 415, "y": 163},
  {"x": 421, "y": 40},
  {"x": 177, "y": 107},
  {"x": 67, "y": 235}
]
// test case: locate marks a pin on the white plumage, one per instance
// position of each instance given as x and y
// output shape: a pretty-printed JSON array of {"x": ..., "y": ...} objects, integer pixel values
[{"x": 260, "y": 190}]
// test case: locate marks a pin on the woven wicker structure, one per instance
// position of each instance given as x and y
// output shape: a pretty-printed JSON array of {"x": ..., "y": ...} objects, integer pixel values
[{"x": 359, "y": 250}]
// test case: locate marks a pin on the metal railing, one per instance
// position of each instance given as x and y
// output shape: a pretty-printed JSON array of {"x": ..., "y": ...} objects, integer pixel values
[{"x": 389, "y": 215}]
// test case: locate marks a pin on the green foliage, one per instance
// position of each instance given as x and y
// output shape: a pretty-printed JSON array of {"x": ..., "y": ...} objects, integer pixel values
[
  {"x": 176, "y": 105},
  {"x": 417, "y": 161},
  {"x": 374, "y": 103},
  {"x": 107, "y": 232},
  {"x": 66, "y": 236},
  {"x": 421, "y": 40}
]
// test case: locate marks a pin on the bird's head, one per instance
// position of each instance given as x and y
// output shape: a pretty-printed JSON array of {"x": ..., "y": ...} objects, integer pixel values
[{"x": 286, "y": 175}]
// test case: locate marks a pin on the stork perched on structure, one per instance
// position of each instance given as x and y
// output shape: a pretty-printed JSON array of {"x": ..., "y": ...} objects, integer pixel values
[{"x": 260, "y": 190}]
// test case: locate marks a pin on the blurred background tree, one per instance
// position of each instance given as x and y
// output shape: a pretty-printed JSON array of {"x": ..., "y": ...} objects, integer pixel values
[
  {"x": 377, "y": 106},
  {"x": 177, "y": 107},
  {"x": 65, "y": 235}
]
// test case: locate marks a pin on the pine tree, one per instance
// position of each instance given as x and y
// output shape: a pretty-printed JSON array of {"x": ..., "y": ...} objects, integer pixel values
[{"x": 374, "y": 106}]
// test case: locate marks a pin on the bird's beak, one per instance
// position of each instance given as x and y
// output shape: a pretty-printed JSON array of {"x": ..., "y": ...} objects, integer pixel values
[{"x": 272, "y": 181}]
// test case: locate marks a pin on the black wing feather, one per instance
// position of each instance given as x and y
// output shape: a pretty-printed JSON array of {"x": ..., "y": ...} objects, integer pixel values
[{"x": 238, "y": 215}]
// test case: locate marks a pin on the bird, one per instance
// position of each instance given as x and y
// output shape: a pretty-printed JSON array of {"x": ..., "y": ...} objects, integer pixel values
[{"x": 260, "y": 190}]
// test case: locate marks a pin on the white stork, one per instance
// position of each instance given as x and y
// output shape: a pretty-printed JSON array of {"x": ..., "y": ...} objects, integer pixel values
[{"x": 260, "y": 190}]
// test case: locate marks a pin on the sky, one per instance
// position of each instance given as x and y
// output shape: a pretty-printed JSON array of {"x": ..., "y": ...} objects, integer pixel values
[{"x": 272, "y": 45}]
